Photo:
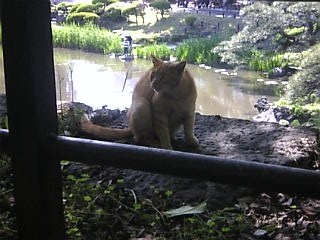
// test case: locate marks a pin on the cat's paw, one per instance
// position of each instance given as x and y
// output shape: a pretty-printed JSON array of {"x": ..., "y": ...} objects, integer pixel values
[{"x": 192, "y": 142}]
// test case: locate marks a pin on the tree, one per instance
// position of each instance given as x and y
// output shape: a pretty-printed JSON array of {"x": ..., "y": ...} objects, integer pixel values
[
  {"x": 105, "y": 2},
  {"x": 190, "y": 20},
  {"x": 82, "y": 18},
  {"x": 304, "y": 86},
  {"x": 161, "y": 5},
  {"x": 279, "y": 26},
  {"x": 136, "y": 9},
  {"x": 130, "y": 10}
]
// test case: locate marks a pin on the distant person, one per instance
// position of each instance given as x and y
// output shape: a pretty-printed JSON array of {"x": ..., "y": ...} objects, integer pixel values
[{"x": 127, "y": 45}]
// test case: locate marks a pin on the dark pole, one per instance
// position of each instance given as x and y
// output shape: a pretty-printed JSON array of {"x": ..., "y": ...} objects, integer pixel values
[
  {"x": 31, "y": 100},
  {"x": 262, "y": 177}
]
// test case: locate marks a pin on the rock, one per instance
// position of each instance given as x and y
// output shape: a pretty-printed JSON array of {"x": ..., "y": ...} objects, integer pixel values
[
  {"x": 262, "y": 104},
  {"x": 268, "y": 113}
]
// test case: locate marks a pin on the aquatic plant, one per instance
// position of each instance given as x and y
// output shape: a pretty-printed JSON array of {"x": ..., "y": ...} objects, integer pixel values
[
  {"x": 265, "y": 61},
  {"x": 198, "y": 50},
  {"x": 88, "y": 38},
  {"x": 161, "y": 51}
]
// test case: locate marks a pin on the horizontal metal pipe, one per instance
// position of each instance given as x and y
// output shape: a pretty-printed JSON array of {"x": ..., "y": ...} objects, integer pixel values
[{"x": 260, "y": 176}]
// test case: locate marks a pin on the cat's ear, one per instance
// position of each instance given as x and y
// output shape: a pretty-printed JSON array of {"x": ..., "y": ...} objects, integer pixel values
[
  {"x": 180, "y": 66},
  {"x": 156, "y": 62}
]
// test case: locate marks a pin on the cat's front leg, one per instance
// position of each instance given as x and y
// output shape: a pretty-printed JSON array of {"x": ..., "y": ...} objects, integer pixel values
[{"x": 190, "y": 138}]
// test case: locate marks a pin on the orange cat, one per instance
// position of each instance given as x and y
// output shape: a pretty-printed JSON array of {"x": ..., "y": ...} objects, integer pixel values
[{"x": 162, "y": 101}]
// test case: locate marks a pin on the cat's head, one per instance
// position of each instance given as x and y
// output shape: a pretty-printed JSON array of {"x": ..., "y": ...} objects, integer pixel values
[{"x": 165, "y": 75}]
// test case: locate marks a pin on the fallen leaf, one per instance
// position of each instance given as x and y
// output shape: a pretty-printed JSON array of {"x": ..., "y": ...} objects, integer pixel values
[
  {"x": 260, "y": 233},
  {"x": 185, "y": 210}
]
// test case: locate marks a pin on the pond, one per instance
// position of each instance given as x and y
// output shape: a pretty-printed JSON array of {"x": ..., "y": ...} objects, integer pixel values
[{"x": 98, "y": 80}]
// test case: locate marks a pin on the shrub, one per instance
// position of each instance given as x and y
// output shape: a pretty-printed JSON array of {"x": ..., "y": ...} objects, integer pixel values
[
  {"x": 89, "y": 38},
  {"x": 64, "y": 6},
  {"x": 161, "y": 5},
  {"x": 265, "y": 61},
  {"x": 159, "y": 50},
  {"x": 74, "y": 7},
  {"x": 85, "y": 7},
  {"x": 82, "y": 18},
  {"x": 130, "y": 10},
  {"x": 199, "y": 51},
  {"x": 99, "y": 8},
  {"x": 112, "y": 14},
  {"x": 304, "y": 85},
  {"x": 190, "y": 20}
]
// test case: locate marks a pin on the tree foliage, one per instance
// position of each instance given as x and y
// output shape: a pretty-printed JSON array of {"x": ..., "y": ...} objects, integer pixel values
[
  {"x": 279, "y": 26},
  {"x": 86, "y": 8},
  {"x": 190, "y": 20},
  {"x": 161, "y": 5},
  {"x": 82, "y": 18},
  {"x": 304, "y": 86},
  {"x": 105, "y": 2},
  {"x": 136, "y": 9}
]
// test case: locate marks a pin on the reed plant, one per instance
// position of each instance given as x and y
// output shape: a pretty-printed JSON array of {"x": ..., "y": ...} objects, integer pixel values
[
  {"x": 266, "y": 61},
  {"x": 88, "y": 38},
  {"x": 161, "y": 51},
  {"x": 199, "y": 50}
]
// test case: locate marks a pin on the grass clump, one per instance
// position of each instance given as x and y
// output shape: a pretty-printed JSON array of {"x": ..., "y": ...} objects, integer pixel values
[
  {"x": 161, "y": 51},
  {"x": 88, "y": 38},
  {"x": 198, "y": 50},
  {"x": 265, "y": 61}
]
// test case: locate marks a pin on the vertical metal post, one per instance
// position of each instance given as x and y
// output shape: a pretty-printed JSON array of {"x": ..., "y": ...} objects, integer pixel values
[{"x": 30, "y": 88}]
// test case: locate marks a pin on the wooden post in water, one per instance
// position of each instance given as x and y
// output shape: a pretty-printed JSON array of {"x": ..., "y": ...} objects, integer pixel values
[{"x": 30, "y": 88}]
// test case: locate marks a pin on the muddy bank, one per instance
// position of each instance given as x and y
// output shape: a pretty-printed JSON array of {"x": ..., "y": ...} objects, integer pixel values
[{"x": 218, "y": 136}]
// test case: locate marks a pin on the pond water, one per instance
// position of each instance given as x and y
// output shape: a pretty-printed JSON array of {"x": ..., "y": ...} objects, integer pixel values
[{"x": 97, "y": 80}]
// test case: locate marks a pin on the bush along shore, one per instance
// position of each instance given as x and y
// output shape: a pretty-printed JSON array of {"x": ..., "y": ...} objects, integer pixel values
[
  {"x": 89, "y": 38},
  {"x": 95, "y": 39},
  {"x": 92, "y": 38}
]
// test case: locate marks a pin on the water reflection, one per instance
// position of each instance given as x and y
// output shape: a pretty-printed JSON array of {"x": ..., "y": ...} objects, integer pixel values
[{"x": 97, "y": 80}]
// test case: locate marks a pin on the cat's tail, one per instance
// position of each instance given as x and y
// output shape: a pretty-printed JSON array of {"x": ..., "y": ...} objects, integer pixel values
[{"x": 104, "y": 133}]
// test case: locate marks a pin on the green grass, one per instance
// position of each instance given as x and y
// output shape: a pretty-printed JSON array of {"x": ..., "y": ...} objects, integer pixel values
[
  {"x": 199, "y": 50},
  {"x": 93, "y": 39},
  {"x": 295, "y": 31},
  {"x": 161, "y": 51},
  {"x": 265, "y": 62},
  {"x": 88, "y": 38}
]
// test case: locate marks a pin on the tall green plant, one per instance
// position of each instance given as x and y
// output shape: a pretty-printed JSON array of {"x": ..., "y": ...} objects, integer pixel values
[
  {"x": 199, "y": 51},
  {"x": 88, "y": 38},
  {"x": 265, "y": 61},
  {"x": 161, "y": 51}
]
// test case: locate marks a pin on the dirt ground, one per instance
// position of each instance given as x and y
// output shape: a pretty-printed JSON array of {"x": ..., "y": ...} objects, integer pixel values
[
  {"x": 223, "y": 137},
  {"x": 276, "y": 215}
]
